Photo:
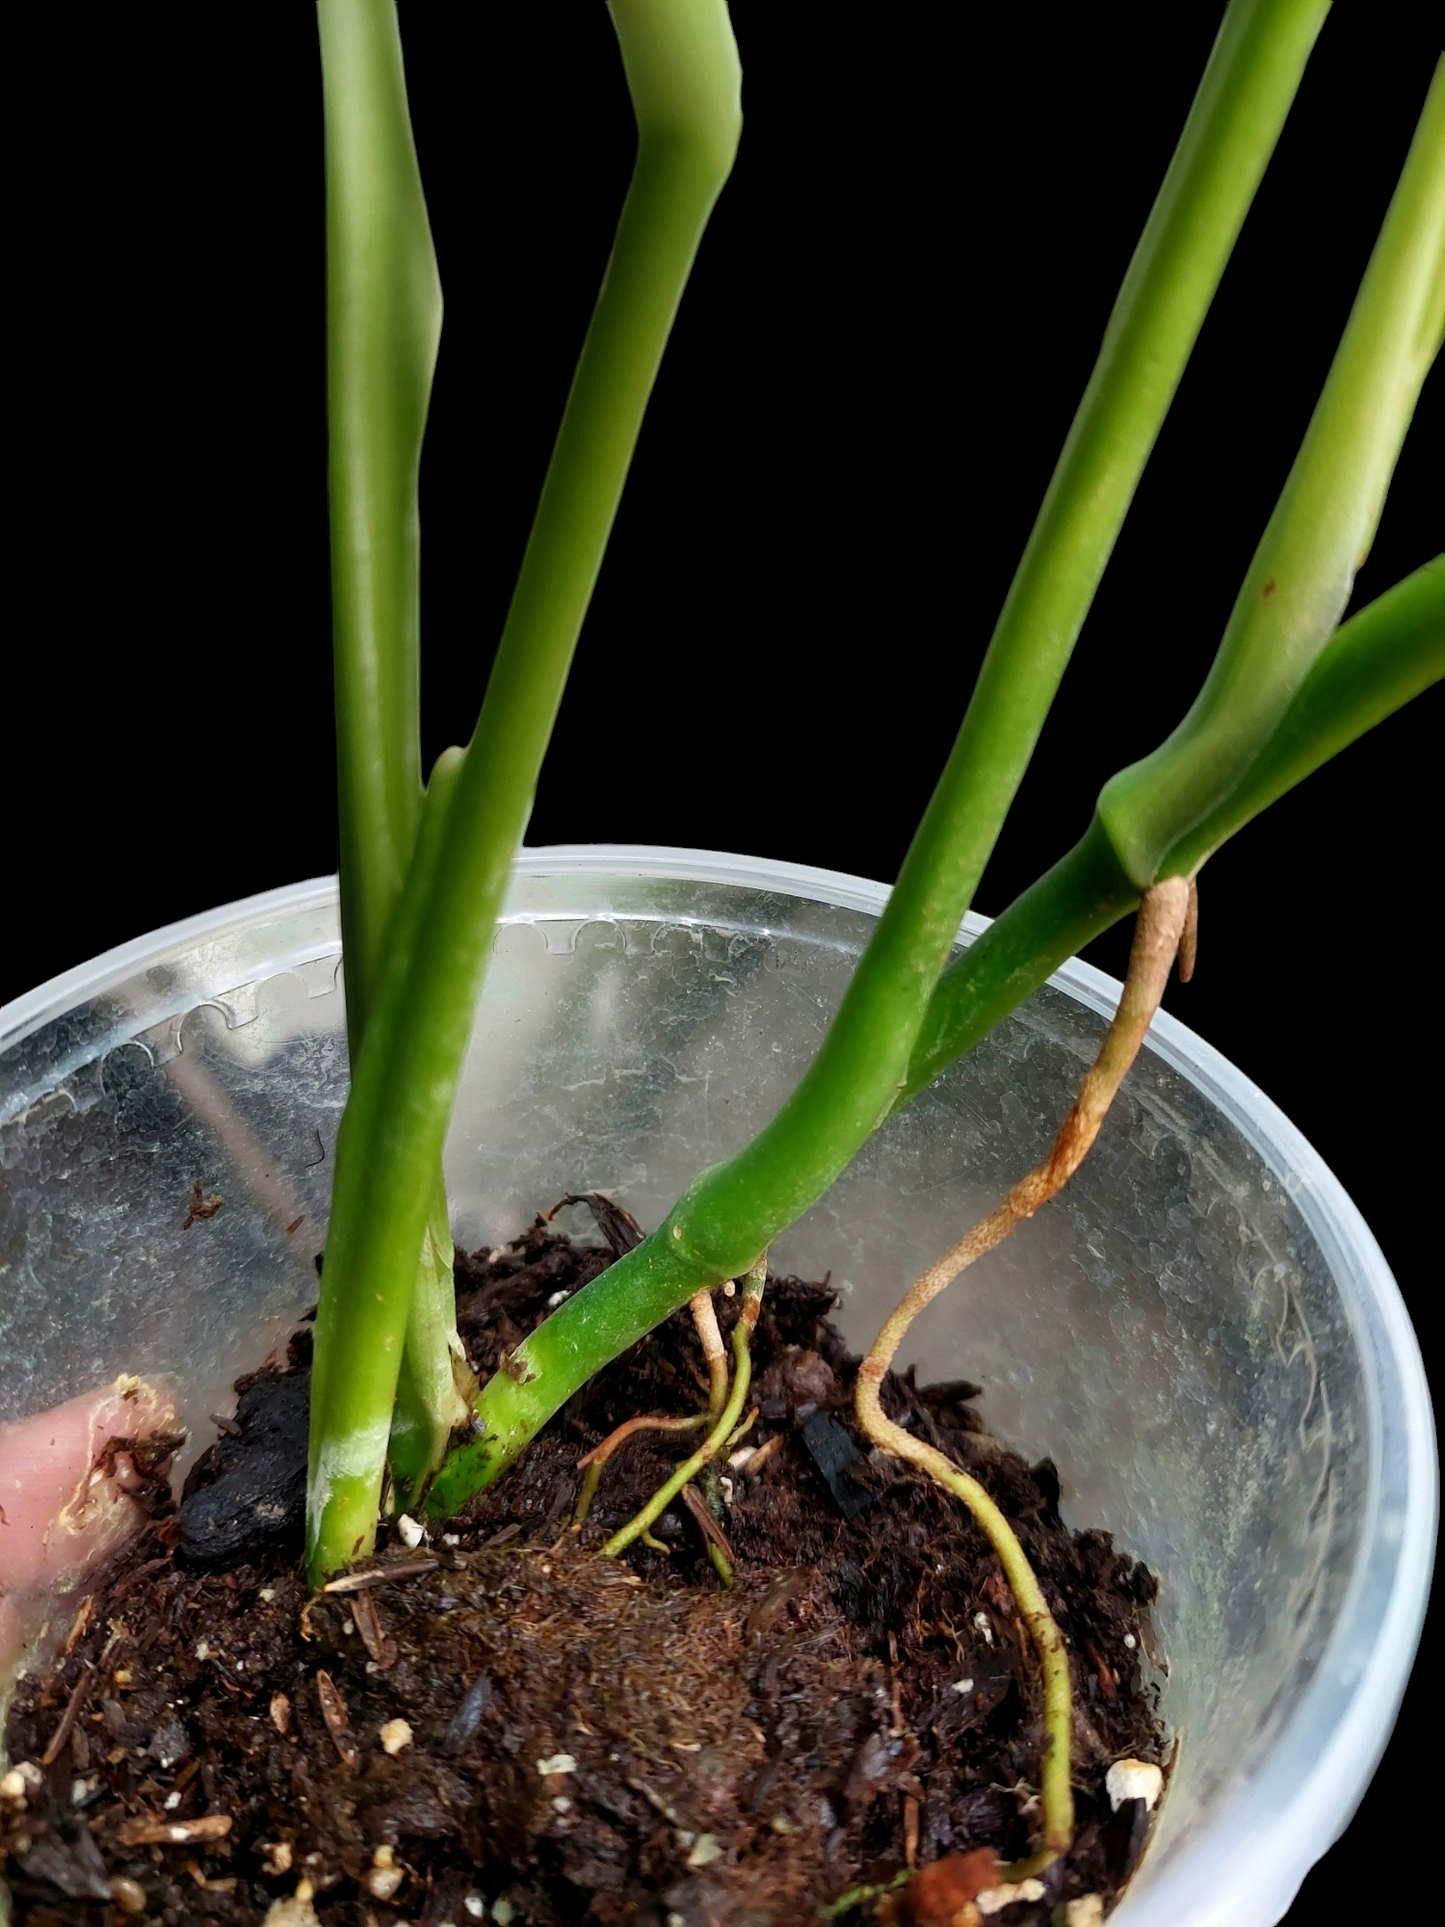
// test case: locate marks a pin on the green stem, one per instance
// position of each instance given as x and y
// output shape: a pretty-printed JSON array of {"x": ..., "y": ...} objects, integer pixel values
[
  {"x": 383, "y": 314},
  {"x": 682, "y": 71},
  {"x": 1084, "y": 893},
  {"x": 1253, "y": 72},
  {"x": 733, "y": 1211},
  {"x": 356, "y": 1366},
  {"x": 1382, "y": 658},
  {"x": 383, "y": 325},
  {"x": 1387, "y": 653},
  {"x": 1320, "y": 532}
]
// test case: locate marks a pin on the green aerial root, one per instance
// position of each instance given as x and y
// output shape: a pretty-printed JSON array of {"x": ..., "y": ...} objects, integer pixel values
[{"x": 721, "y": 1432}]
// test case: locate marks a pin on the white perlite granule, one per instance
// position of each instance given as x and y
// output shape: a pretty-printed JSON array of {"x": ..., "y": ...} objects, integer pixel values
[{"x": 1133, "y": 1780}]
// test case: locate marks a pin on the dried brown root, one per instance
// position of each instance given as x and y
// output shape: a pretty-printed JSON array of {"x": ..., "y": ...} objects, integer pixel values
[
  {"x": 1189, "y": 936},
  {"x": 1159, "y": 929},
  {"x": 594, "y": 1463}
]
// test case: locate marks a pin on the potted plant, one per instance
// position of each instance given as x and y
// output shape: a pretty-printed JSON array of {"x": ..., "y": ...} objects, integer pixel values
[{"x": 1130, "y": 844}]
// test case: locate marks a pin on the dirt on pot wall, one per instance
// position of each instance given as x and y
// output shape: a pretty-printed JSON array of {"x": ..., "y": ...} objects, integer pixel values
[{"x": 508, "y": 1727}]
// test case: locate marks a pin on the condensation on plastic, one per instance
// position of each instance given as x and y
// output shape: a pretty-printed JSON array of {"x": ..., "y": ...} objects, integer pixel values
[{"x": 1201, "y": 1330}]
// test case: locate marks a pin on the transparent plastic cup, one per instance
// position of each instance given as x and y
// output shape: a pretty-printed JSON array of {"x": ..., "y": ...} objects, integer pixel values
[{"x": 1201, "y": 1331}]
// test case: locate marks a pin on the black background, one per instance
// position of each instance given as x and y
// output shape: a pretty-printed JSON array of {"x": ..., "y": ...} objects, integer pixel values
[{"x": 891, "y": 321}]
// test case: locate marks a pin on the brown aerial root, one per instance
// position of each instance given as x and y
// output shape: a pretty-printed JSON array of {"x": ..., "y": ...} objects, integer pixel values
[
  {"x": 1163, "y": 917},
  {"x": 594, "y": 1463},
  {"x": 1189, "y": 936}
]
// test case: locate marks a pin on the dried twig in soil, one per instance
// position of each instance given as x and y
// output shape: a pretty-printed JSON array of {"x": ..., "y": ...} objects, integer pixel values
[
  {"x": 66, "y": 1723},
  {"x": 719, "y": 1551},
  {"x": 383, "y": 1575},
  {"x": 338, "y": 1720}
]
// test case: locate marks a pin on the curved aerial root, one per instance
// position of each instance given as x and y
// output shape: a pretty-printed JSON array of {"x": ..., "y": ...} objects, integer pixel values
[
  {"x": 721, "y": 1430},
  {"x": 1163, "y": 915},
  {"x": 594, "y": 1463}
]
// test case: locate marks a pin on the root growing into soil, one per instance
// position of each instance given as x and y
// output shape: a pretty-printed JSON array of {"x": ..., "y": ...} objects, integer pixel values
[
  {"x": 722, "y": 1431},
  {"x": 1167, "y": 916}
]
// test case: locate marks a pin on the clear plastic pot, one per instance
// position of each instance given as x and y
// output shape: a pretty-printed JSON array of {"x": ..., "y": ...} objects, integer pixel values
[{"x": 1201, "y": 1330}]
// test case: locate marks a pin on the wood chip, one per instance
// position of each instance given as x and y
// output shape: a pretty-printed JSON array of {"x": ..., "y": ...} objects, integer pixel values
[
  {"x": 468, "y": 1716},
  {"x": 763, "y": 1453},
  {"x": 224, "y": 1886},
  {"x": 338, "y": 1723},
  {"x": 151, "y": 1830},
  {"x": 706, "y": 1524},
  {"x": 359, "y": 1581},
  {"x": 79, "y": 1624},
  {"x": 68, "y": 1718},
  {"x": 373, "y": 1635}
]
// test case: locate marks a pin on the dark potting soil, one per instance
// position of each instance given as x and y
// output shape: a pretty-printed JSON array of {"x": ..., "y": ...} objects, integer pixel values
[{"x": 506, "y": 1727}]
